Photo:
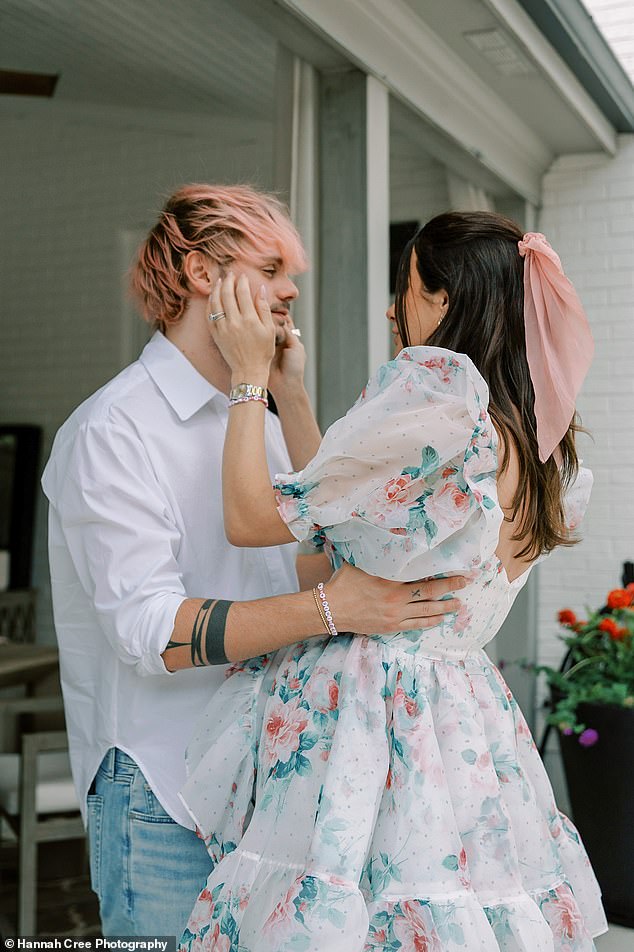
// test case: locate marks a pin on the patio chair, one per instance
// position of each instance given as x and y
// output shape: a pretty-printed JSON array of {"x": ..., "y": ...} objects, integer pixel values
[{"x": 37, "y": 795}]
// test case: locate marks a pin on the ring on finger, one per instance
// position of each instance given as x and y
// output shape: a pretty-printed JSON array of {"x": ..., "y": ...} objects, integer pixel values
[{"x": 217, "y": 316}]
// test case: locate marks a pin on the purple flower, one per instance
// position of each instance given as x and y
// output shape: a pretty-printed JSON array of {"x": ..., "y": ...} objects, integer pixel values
[
  {"x": 589, "y": 737},
  {"x": 567, "y": 731}
]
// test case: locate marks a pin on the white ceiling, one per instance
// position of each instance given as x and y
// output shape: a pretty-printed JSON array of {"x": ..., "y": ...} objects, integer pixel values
[
  {"x": 198, "y": 56},
  {"x": 218, "y": 58},
  {"x": 532, "y": 96}
]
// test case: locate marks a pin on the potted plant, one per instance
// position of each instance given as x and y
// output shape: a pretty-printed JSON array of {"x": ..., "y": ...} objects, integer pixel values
[{"x": 592, "y": 706}]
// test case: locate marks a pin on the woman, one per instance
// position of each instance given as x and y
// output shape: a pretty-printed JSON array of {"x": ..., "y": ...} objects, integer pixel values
[{"x": 401, "y": 804}]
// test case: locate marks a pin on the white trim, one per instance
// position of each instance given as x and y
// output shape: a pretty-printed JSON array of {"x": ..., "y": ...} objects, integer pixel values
[
  {"x": 304, "y": 209},
  {"x": 378, "y": 219},
  {"x": 387, "y": 39},
  {"x": 561, "y": 77}
]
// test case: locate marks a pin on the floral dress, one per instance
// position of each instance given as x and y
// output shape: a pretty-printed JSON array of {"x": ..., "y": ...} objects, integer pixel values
[{"x": 400, "y": 801}]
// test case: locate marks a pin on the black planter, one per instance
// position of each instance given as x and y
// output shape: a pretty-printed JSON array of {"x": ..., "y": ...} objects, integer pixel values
[{"x": 601, "y": 788}]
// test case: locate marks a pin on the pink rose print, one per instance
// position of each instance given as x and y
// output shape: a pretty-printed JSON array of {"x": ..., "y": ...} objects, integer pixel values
[
  {"x": 284, "y": 725},
  {"x": 563, "y": 914},
  {"x": 462, "y": 619},
  {"x": 394, "y": 495},
  {"x": 415, "y": 929},
  {"x": 440, "y": 366},
  {"x": 243, "y": 898},
  {"x": 287, "y": 506},
  {"x": 198, "y": 944},
  {"x": 484, "y": 461},
  {"x": 424, "y": 753},
  {"x": 377, "y": 940},
  {"x": 402, "y": 701},
  {"x": 219, "y": 943},
  {"x": 448, "y": 505},
  {"x": 201, "y": 913},
  {"x": 281, "y": 922},
  {"x": 333, "y": 694},
  {"x": 465, "y": 879},
  {"x": 321, "y": 690}
]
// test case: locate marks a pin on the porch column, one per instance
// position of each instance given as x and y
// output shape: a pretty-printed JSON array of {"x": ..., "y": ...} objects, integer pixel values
[
  {"x": 354, "y": 236},
  {"x": 295, "y": 181}
]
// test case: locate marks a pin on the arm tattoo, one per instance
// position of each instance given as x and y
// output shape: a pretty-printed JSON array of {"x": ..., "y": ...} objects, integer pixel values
[{"x": 208, "y": 631}]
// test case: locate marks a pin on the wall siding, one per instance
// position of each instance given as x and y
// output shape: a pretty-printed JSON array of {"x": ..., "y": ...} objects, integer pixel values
[{"x": 69, "y": 190}]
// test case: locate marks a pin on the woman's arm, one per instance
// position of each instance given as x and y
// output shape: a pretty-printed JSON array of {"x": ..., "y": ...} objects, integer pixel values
[
  {"x": 250, "y": 510},
  {"x": 359, "y": 603},
  {"x": 299, "y": 426},
  {"x": 246, "y": 339}
]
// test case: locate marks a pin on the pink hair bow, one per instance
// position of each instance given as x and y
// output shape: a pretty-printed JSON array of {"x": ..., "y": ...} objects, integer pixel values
[{"x": 559, "y": 344}]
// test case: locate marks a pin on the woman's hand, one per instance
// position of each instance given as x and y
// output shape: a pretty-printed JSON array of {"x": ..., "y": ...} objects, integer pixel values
[{"x": 245, "y": 335}]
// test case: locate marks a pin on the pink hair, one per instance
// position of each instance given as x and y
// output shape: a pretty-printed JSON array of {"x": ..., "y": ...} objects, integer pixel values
[{"x": 224, "y": 222}]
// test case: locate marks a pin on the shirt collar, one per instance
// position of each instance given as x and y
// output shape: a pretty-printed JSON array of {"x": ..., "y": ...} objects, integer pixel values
[{"x": 183, "y": 387}]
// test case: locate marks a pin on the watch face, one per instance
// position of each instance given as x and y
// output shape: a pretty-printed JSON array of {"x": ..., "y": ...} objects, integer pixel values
[{"x": 243, "y": 390}]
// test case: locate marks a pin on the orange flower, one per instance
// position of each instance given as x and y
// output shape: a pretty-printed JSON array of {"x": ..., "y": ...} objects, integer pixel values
[
  {"x": 619, "y": 598},
  {"x": 610, "y": 626},
  {"x": 567, "y": 617}
]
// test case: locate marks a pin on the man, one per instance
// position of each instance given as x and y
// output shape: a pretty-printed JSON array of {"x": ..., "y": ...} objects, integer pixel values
[{"x": 145, "y": 583}]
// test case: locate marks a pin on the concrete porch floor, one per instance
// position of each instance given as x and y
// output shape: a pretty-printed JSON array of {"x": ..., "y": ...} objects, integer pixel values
[{"x": 617, "y": 939}]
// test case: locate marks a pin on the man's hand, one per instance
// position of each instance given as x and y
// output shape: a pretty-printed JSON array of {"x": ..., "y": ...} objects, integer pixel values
[
  {"x": 286, "y": 374},
  {"x": 365, "y": 604}
]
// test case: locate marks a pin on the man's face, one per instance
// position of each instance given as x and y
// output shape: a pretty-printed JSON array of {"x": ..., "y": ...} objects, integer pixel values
[{"x": 269, "y": 270}]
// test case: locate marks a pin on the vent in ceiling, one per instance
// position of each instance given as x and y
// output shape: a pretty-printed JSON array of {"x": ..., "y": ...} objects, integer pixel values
[
  {"x": 500, "y": 51},
  {"x": 13, "y": 83}
]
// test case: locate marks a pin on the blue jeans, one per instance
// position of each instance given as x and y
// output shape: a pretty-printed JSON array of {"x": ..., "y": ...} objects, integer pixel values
[{"x": 145, "y": 868}]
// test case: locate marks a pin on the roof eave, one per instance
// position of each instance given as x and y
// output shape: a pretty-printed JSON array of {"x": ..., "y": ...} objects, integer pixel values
[{"x": 570, "y": 29}]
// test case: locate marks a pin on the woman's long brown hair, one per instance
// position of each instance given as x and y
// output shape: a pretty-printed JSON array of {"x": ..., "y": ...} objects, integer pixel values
[{"x": 474, "y": 257}]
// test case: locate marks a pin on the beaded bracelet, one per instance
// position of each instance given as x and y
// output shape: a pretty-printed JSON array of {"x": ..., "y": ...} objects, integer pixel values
[
  {"x": 249, "y": 399},
  {"x": 326, "y": 609},
  {"x": 320, "y": 610}
]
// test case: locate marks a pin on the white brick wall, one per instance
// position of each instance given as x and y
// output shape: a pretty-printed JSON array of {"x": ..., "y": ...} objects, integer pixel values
[
  {"x": 615, "y": 19},
  {"x": 588, "y": 214},
  {"x": 69, "y": 190}
]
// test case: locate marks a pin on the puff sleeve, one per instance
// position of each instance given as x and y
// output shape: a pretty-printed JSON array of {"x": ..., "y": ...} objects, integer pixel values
[{"x": 404, "y": 486}]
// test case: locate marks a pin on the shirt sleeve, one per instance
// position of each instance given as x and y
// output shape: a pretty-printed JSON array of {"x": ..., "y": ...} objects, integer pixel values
[
  {"x": 123, "y": 540},
  {"x": 404, "y": 486}
]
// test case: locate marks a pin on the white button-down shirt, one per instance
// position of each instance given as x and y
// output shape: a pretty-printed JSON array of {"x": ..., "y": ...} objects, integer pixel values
[{"x": 135, "y": 527}]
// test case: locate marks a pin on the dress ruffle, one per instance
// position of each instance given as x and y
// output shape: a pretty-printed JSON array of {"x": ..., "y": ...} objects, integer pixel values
[
  {"x": 319, "y": 914},
  {"x": 419, "y": 812}
]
